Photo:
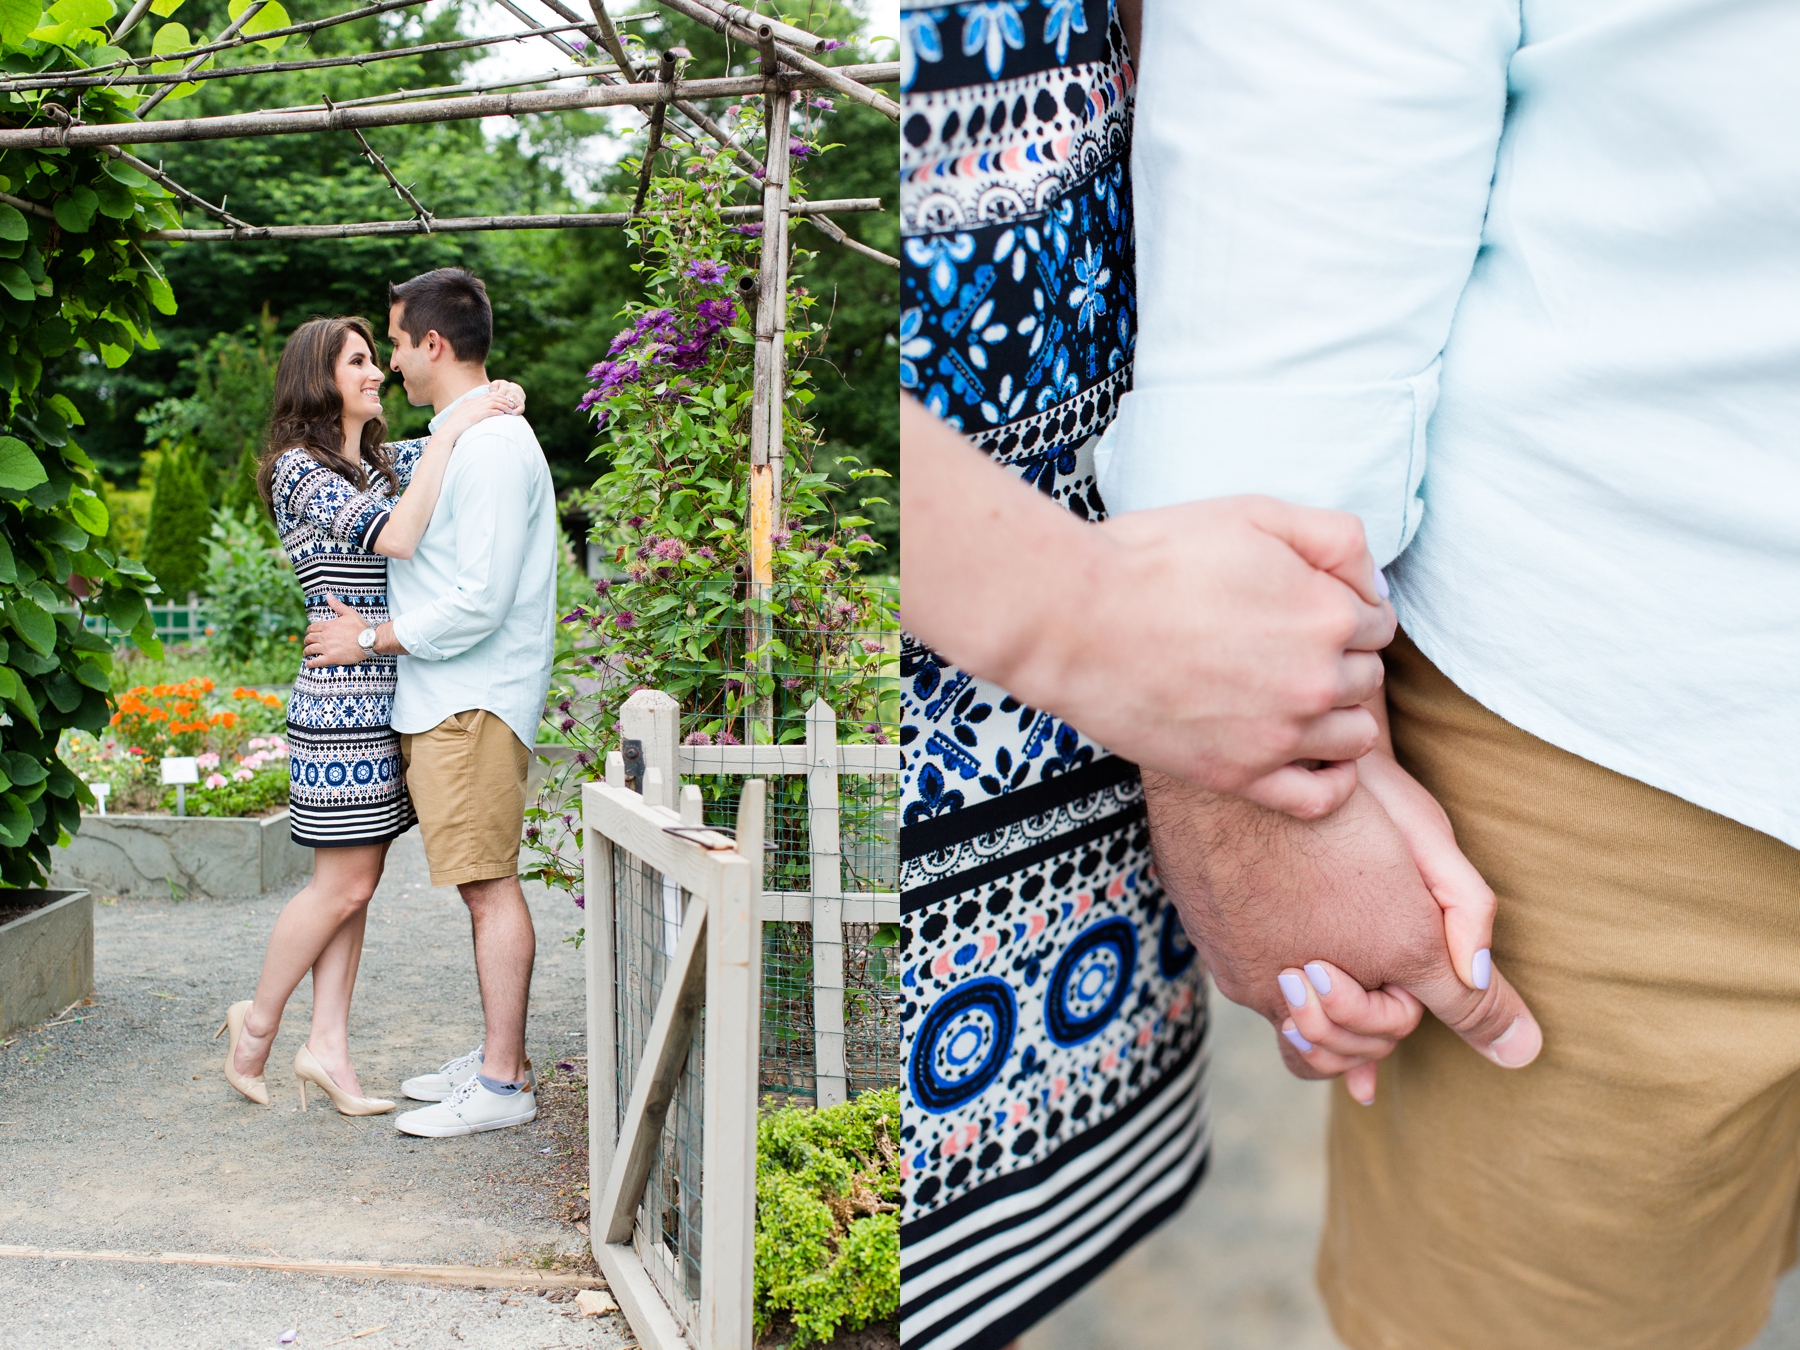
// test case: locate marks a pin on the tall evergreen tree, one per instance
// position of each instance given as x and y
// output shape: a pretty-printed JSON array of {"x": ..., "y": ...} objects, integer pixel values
[{"x": 175, "y": 544}]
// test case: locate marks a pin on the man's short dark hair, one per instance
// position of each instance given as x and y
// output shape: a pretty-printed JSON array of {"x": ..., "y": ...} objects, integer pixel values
[{"x": 451, "y": 300}]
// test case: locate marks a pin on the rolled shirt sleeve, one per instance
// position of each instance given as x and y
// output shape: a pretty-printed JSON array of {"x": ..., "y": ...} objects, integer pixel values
[
  {"x": 1311, "y": 182},
  {"x": 492, "y": 506}
]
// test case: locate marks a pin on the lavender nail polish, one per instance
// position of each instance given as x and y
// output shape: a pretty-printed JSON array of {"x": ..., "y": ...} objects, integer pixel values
[
  {"x": 1291, "y": 988},
  {"x": 1381, "y": 583},
  {"x": 1320, "y": 977},
  {"x": 1296, "y": 1040},
  {"x": 1483, "y": 970}
]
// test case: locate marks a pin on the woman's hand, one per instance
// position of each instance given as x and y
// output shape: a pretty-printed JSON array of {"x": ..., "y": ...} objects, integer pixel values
[
  {"x": 501, "y": 398},
  {"x": 1348, "y": 1029}
]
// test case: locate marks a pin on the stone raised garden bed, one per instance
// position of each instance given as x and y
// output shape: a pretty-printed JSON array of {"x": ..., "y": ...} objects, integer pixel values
[
  {"x": 46, "y": 954},
  {"x": 185, "y": 856}
]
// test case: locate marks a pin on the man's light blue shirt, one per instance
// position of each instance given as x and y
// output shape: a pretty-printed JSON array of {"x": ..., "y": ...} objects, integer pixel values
[
  {"x": 475, "y": 606},
  {"x": 1519, "y": 284}
]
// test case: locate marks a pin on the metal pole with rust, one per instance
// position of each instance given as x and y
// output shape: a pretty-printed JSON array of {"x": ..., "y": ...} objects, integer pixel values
[{"x": 766, "y": 444}]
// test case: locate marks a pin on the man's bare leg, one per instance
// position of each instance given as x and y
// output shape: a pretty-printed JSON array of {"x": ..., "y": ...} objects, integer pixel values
[{"x": 505, "y": 947}]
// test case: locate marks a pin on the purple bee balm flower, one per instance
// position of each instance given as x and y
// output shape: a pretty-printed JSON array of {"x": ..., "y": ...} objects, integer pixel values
[
  {"x": 563, "y": 706},
  {"x": 707, "y": 271},
  {"x": 864, "y": 539},
  {"x": 726, "y": 738},
  {"x": 881, "y": 738},
  {"x": 698, "y": 738},
  {"x": 733, "y": 687},
  {"x": 602, "y": 586},
  {"x": 635, "y": 523},
  {"x": 637, "y": 571},
  {"x": 871, "y": 646},
  {"x": 582, "y": 757},
  {"x": 624, "y": 619},
  {"x": 705, "y": 552},
  {"x": 648, "y": 547},
  {"x": 670, "y": 550},
  {"x": 568, "y": 725},
  {"x": 779, "y": 538},
  {"x": 793, "y": 682}
]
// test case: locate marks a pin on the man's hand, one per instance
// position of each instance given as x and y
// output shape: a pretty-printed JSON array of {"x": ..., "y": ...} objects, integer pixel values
[
  {"x": 332, "y": 642},
  {"x": 1262, "y": 894}
]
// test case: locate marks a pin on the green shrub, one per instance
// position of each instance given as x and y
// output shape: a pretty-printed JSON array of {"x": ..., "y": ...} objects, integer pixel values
[
  {"x": 827, "y": 1217},
  {"x": 255, "y": 605},
  {"x": 175, "y": 546}
]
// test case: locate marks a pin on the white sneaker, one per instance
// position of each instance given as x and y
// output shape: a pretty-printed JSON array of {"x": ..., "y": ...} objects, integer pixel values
[
  {"x": 470, "y": 1109},
  {"x": 434, "y": 1087}
]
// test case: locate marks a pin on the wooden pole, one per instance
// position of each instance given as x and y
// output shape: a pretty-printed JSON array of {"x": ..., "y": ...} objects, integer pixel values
[
  {"x": 830, "y": 1073},
  {"x": 665, "y": 76},
  {"x": 765, "y": 409},
  {"x": 282, "y": 122},
  {"x": 450, "y": 224}
]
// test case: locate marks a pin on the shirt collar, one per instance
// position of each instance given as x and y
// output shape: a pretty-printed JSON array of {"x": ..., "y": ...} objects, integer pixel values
[{"x": 432, "y": 426}]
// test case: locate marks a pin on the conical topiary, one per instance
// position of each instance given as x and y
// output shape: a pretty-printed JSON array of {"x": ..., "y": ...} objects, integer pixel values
[{"x": 175, "y": 544}]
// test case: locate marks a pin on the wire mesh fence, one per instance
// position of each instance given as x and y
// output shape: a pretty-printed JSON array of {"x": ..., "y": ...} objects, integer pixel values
[
  {"x": 646, "y": 930},
  {"x": 868, "y": 834}
]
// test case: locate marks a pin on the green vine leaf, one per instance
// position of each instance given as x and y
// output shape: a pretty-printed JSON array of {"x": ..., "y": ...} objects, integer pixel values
[
  {"x": 13, "y": 226},
  {"x": 74, "y": 213},
  {"x": 82, "y": 13},
  {"x": 17, "y": 18},
  {"x": 32, "y": 623},
  {"x": 20, "y": 470},
  {"x": 14, "y": 281}
]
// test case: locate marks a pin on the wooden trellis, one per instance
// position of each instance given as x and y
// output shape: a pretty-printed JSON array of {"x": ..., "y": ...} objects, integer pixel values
[{"x": 788, "y": 68}]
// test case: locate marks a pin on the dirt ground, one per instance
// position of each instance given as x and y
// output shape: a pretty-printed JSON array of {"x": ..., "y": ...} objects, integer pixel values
[
  {"x": 118, "y": 1132},
  {"x": 1233, "y": 1270}
]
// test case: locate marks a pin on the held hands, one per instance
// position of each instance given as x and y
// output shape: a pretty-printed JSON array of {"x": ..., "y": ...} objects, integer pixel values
[
  {"x": 332, "y": 642},
  {"x": 1251, "y": 626},
  {"x": 1282, "y": 909}
]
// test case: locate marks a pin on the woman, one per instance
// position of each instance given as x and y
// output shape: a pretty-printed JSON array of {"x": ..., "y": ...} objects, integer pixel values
[
  {"x": 1054, "y": 1037},
  {"x": 336, "y": 492}
]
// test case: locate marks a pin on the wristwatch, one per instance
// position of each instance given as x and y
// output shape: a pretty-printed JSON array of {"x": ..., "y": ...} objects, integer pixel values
[{"x": 366, "y": 640}]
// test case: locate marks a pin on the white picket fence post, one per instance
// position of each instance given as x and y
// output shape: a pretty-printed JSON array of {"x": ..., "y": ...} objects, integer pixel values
[
  {"x": 830, "y": 1072},
  {"x": 710, "y": 980}
]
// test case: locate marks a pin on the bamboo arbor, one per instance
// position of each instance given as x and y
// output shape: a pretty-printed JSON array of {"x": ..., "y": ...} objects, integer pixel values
[{"x": 671, "y": 100}]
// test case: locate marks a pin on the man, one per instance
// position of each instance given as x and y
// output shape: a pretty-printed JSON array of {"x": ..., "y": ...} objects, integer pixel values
[
  {"x": 473, "y": 626},
  {"x": 1516, "y": 284}
]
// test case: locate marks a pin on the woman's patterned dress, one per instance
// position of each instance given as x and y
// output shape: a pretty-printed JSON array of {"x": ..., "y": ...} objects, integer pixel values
[
  {"x": 345, "y": 785},
  {"x": 1053, "y": 1030}
]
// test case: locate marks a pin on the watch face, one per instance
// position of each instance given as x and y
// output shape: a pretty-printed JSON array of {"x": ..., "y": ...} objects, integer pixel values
[{"x": 366, "y": 639}]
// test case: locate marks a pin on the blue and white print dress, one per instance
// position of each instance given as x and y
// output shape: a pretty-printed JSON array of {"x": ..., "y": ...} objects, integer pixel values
[
  {"x": 1054, "y": 1021},
  {"x": 344, "y": 778}
]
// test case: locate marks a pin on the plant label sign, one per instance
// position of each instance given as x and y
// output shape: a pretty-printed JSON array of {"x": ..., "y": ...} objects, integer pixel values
[{"x": 180, "y": 769}]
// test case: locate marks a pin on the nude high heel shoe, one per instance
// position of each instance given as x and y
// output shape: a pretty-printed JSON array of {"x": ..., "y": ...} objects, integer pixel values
[
  {"x": 253, "y": 1088},
  {"x": 308, "y": 1070}
]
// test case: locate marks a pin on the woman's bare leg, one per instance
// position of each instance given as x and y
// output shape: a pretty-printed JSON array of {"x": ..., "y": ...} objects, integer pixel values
[
  {"x": 334, "y": 981},
  {"x": 343, "y": 880}
]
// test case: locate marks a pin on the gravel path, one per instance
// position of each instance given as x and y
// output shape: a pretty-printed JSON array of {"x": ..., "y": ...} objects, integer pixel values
[
  {"x": 1233, "y": 1270},
  {"x": 118, "y": 1132}
]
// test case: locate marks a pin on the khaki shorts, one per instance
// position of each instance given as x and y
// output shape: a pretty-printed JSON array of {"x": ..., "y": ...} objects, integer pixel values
[
  {"x": 467, "y": 780},
  {"x": 1636, "y": 1185}
]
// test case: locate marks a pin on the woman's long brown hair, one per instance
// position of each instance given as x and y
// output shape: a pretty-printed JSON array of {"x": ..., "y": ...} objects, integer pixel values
[{"x": 308, "y": 411}]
